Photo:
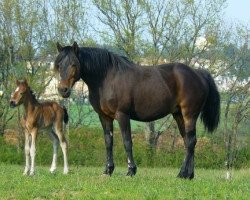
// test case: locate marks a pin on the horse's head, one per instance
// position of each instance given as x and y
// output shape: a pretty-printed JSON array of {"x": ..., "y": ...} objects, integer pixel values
[
  {"x": 68, "y": 66},
  {"x": 18, "y": 97}
]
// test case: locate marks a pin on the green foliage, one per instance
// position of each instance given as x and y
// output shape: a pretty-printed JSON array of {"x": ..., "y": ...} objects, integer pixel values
[{"x": 86, "y": 148}]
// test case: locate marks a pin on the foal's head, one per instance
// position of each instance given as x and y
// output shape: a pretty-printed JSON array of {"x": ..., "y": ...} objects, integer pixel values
[
  {"x": 20, "y": 94},
  {"x": 68, "y": 66}
]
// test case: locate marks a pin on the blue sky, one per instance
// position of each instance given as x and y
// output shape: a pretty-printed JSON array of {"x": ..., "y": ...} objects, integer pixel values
[{"x": 238, "y": 10}]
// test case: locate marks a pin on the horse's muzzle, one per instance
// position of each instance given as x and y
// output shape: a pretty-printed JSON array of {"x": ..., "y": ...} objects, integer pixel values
[
  {"x": 64, "y": 92},
  {"x": 12, "y": 104}
]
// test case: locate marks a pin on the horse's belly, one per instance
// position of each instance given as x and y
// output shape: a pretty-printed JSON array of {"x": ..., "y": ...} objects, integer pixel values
[{"x": 150, "y": 113}]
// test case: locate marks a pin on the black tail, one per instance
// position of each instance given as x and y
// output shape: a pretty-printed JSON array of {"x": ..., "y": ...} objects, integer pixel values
[
  {"x": 210, "y": 115},
  {"x": 65, "y": 115}
]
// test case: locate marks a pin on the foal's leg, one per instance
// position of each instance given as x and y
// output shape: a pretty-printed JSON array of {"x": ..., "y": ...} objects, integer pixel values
[
  {"x": 27, "y": 153},
  {"x": 107, "y": 125},
  {"x": 55, "y": 141},
  {"x": 64, "y": 146},
  {"x": 124, "y": 123},
  {"x": 187, "y": 129},
  {"x": 33, "y": 151}
]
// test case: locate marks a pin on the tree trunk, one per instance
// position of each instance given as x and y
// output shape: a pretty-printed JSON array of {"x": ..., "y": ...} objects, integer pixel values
[{"x": 152, "y": 135}]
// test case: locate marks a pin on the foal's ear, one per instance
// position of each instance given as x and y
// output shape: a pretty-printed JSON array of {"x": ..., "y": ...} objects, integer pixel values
[
  {"x": 59, "y": 47},
  {"x": 25, "y": 81},
  {"x": 75, "y": 47},
  {"x": 17, "y": 82}
]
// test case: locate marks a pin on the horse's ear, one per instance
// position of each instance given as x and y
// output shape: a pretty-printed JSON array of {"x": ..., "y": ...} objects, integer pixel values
[
  {"x": 75, "y": 47},
  {"x": 59, "y": 47},
  {"x": 17, "y": 82},
  {"x": 25, "y": 81}
]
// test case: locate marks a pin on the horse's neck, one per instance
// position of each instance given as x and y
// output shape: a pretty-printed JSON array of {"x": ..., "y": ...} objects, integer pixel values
[
  {"x": 30, "y": 104},
  {"x": 93, "y": 82}
]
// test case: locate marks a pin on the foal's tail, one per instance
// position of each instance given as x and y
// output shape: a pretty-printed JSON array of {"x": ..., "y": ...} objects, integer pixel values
[
  {"x": 210, "y": 114},
  {"x": 65, "y": 115}
]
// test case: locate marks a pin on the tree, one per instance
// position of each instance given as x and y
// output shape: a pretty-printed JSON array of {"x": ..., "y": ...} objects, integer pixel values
[
  {"x": 237, "y": 102},
  {"x": 123, "y": 24}
]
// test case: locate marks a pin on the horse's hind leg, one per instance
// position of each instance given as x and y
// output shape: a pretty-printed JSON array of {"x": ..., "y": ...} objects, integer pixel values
[
  {"x": 107, "y": 125},
  {"x": 55, "y": 141},
  {"x": 124, "y": 123},
  {"x": 187, "y": 129},
  {"x": 64, "y": 146}
]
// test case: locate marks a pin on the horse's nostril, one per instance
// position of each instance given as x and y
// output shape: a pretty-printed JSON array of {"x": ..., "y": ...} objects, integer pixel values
[
  {"x": 12, "y": 103},
  {"x": 63, "y": 90}
]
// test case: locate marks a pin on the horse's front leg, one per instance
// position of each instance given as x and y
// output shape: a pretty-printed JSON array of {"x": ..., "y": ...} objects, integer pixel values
[
  {"x": 124, "y": 123},
  {"x": 33, "y": 151},
  {"x": 107, "y": 125},
  {"x": 27, "y": 153}
]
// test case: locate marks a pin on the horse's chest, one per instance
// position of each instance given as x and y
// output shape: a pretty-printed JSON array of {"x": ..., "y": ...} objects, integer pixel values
[{"x": 103, "y": 103}]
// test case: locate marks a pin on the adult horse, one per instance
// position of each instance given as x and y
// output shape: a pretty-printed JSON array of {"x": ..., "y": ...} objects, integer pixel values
[{"x": 121, "y": 90}]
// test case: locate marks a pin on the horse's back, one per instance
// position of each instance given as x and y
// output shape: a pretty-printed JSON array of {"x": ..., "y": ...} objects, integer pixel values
[
  {"x": 51, "y": 112},
  {"x": 150, "y": 93}
]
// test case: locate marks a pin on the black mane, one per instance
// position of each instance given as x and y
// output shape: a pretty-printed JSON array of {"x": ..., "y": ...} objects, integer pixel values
[{"x": 97, "y": 60}]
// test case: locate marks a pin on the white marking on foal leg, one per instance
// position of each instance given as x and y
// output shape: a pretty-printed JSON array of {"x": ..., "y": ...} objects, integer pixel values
[
  {"x": 27, "y": 155},
  {"x": 32, "y": 154},
  {"x": 65, "y": 158}
]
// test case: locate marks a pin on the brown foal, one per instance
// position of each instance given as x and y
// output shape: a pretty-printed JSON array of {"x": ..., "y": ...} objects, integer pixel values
[{"x": 48, "y": 116}]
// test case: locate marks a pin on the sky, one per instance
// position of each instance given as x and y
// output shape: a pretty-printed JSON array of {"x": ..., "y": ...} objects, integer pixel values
[{"x": 238, "y": 10}]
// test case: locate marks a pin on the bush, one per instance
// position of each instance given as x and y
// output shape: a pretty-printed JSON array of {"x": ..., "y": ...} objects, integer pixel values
[{"x": 86, "y": 148}]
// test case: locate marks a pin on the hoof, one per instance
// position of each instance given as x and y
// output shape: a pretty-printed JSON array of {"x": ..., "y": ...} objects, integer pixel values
[
  {"x": 52, "y": 171},
  {"x": 26, "y": 173},
  {"x": 32, "y": 173},
  {"x": 132, "y": 171},
  {"x": 65, "y": 171},
  {"x": 108, "y": 171},
  {"x": 186, "y": 175}
]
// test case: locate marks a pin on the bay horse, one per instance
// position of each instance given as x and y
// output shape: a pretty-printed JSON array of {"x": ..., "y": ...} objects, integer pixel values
[
  {"x": 48, "y": 116},
  {"x": 121, "y": 90}
]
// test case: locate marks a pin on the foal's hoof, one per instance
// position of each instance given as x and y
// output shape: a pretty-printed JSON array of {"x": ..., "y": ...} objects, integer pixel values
[
  {"x": 65, "y": 171},
  {"x": 52, "y": 171},
  {"x": 109, "y": 170},
  {"x": 26, "y": 173},
  {"x": 186, "y": 175},
  {"x": 132, "y": 171},
  {"x": 32, "y": 173}
]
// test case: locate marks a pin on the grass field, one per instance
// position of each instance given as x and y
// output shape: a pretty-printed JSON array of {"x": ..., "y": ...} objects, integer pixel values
[{"x": 155, "y": 183}]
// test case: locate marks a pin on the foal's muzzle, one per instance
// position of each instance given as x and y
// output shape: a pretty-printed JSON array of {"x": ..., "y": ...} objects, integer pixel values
[
  {"x": 64, "y": 92},
  {"x": 12, "y": 104}
]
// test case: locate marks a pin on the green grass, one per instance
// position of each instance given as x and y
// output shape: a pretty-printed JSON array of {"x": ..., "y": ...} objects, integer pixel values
[{"x": 154, "y": 183}]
